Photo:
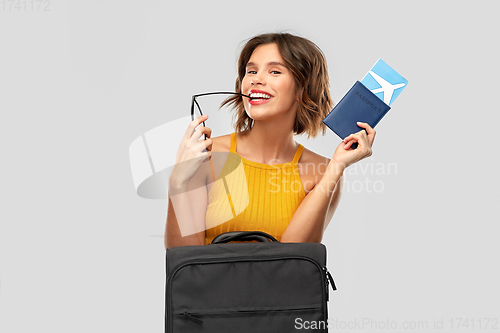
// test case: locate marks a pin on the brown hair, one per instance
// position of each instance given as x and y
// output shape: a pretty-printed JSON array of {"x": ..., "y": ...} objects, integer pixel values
[{"x": 308, "y": 65}]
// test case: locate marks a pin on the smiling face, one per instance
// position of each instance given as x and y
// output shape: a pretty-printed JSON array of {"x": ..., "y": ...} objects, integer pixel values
[{"x": 270, "y": 84}]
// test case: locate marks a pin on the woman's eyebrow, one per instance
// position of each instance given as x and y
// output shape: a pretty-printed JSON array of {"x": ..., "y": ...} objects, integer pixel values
[{"x": 271, "y": 63}]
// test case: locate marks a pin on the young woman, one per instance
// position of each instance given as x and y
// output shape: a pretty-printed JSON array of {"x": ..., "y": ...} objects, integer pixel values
[{"x": 291, "y": 192}]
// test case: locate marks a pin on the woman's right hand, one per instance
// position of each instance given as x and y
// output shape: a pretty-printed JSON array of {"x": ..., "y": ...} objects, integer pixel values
[{"x": 192, "y": 153}]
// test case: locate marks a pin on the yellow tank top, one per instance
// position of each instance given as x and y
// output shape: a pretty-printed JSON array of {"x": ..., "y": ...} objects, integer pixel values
[{"x": 264, "y": 199}]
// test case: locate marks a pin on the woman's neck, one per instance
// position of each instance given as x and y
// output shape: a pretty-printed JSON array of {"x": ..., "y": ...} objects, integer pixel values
[{"x": 267, "y": 144}]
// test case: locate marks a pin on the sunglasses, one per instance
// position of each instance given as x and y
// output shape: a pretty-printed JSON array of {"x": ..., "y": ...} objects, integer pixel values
[{"x": 193, "y": 102}]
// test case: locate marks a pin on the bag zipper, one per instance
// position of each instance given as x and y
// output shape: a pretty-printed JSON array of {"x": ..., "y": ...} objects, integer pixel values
[
  {"x": 324, "y": 279},
  {"x": 193, "y": 316},
  {"x": 329, "y": 278}
]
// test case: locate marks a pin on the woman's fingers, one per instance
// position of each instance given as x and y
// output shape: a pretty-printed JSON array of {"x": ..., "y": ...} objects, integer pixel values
[
  {"x": 367, "y": 134},
  {"x": 357, "y": 136},
  {"x": 199, "y": 132},
  {"x": 204, "y": 144},
  {"x": 348, "y": 138},
  {"x": 350, "y": 143},
  {"x": 363, "y": 138},
  {"x": 369, "y": 130},
  {"x": 351, "y": 139},
  {"x": 205, "y": 148},
  {"x": 193, "y": 124}
]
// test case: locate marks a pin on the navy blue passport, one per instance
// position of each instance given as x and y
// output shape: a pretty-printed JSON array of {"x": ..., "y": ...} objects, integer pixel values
[{"x": 359, "y": 104}]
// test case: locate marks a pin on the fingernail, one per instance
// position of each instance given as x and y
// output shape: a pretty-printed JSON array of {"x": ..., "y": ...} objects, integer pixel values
[{"x": 205, "y": 116}]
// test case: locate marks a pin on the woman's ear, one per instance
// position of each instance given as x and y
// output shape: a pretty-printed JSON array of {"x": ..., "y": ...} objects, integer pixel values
[{"x": 297, "y": 95}]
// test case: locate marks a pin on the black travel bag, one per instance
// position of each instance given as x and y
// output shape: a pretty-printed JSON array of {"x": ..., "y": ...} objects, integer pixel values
[{"x": 263, "y": 286}]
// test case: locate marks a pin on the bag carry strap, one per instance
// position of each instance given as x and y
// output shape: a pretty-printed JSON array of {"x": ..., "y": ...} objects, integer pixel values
[{"x": 243, "y": 236}]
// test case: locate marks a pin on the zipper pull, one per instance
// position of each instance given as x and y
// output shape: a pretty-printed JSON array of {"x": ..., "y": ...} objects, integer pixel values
[
  {"x": 331, "y": 279},
  {"x": 327, "y": 291},
  {"x": 326, "y": 283},
  {"x": 194, "y": 319}
]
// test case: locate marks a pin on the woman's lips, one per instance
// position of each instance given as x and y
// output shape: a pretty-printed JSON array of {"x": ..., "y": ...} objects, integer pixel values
[{"x": 259, "y": 101}]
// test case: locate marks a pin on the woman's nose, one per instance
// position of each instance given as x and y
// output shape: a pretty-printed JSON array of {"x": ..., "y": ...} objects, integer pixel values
[{"x": 257, "y": 79}]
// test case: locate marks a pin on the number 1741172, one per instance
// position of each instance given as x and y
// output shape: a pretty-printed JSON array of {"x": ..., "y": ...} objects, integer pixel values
[
  {"x": 25, "y": 5},
  {"x": 474, "y": 323}
]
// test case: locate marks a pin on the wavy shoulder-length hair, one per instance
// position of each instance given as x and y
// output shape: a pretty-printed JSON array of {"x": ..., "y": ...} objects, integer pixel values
[{"x": 307, "y": 63}]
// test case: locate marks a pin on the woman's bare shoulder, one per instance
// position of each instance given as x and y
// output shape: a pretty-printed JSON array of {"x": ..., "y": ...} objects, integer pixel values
[
  {"x": 221, "y": 143},
  {"x": 313, "y": 163}
]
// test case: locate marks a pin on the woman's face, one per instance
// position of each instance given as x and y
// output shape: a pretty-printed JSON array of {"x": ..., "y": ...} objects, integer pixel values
[{"x": 270, "y": 84}]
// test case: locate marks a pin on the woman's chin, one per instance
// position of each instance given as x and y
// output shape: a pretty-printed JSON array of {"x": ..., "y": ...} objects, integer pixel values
[{"x": 258, "y": 114}]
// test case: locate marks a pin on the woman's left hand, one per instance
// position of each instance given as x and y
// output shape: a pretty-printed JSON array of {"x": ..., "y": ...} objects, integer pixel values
[{"x": 344, "y": 155}]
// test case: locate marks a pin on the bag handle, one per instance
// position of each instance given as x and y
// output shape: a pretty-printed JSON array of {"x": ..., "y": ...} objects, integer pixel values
[{"x": 243, "y": 236}]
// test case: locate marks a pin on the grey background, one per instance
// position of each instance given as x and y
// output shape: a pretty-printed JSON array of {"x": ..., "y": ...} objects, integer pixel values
[{"x": 79, "y": 250}]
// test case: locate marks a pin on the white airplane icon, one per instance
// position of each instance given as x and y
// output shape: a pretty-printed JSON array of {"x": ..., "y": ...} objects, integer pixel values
[{"x": 387, "y": 88}]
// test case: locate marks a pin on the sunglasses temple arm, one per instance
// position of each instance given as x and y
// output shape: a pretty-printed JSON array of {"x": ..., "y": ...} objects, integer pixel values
[
  {"x": 199, "y": 109},
  {"x": 192, "y": 108},
  {"x": 221, "y": 93}
]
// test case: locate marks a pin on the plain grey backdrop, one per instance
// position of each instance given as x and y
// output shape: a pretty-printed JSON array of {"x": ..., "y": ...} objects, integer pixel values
[{"x": 415, "y": 238}]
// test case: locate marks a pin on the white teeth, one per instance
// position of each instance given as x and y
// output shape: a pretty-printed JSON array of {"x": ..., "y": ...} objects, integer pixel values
[{"x": 259, "y": 95}]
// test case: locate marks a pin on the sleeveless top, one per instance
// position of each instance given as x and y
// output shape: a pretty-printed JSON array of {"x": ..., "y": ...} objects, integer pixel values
[{"x": 253, "y": 196}]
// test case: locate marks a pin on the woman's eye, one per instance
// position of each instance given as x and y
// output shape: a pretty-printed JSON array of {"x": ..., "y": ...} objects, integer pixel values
[
  {"x": 275, "y": 72},
  {"x": 251, "y": 72}
]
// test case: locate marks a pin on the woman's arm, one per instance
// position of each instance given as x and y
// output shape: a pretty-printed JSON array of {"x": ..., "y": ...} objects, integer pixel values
[
  {"x": 316, "y": 210},
  {"x": 187, "y": 188},
  {"x": 186, "y": 212}
]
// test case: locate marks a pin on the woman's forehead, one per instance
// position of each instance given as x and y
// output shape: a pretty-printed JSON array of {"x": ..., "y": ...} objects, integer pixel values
[{"x": 266, "y": 54}]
